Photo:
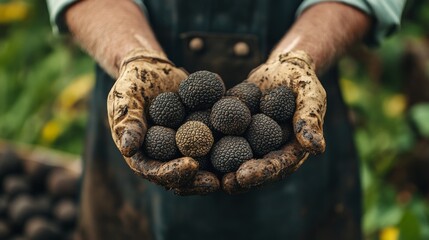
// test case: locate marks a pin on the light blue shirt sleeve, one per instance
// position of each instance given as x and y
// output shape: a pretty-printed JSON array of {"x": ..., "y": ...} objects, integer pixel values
[
  {"x": 57, "y": 9},
  {"x": 387, "y": 14}
]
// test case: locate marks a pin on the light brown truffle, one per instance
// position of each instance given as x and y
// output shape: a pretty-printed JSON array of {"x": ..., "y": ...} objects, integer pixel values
[{"x": 194, "y": 139}]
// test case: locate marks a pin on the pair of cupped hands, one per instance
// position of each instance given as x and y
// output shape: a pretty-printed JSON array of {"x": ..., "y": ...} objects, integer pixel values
[{"x": 144, "y": 74}]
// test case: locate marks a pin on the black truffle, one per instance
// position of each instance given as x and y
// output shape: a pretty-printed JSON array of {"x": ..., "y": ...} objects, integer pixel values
[
  {"x": 21, "y": 209},
  {"x": 41, "y": 229},
  {"x": 167, "y": 110},
  {"x": 14, "y": 185},
  {"x": 278, "y": 104},
  {"x": 229, "y": 153},
  {"x": 65, "y": 213},
  {"x": 5, "y": 230},
  {"x": 10, "y": 162},
  {"x": 201, "y": 90},
  {"x": 230, "y": 116},
  {"x": 62, "y": 183},
  {"x": 160, "y": 143},
  {"x": 264, "y": 134},
  {"x": 249, "y": 93}
]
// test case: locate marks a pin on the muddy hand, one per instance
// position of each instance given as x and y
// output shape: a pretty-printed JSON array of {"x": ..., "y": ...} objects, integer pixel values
[
  {"x": 294, "y": 70},
  {"x": 142, "y": 76},
  {"x": 181, "y": 174},
  {"x": 272, "y": 167},
  {"x": 203, "y": 183}
]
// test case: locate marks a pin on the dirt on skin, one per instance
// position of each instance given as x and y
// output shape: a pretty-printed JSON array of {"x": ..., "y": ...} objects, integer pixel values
[{"x": 295, "y": 70}]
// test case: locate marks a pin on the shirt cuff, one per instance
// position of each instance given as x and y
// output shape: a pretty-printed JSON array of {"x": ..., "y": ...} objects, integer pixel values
[
  {"x": 387, "y": 15},
  {"x": 57, "y": 8},
  {"x": 56, "y": 14}
]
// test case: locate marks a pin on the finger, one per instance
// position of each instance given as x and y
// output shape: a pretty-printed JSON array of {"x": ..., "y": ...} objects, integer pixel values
[
  {"x": 310, "y": 100},
  {"x": 171, "y": 174},
  {"x": 309, "y": 114},
  {"x": 230, "y": 184},
  {"x": 203, "y": 184},
  {"x": 125, "y": 108},
  {"x": 273, "y": 167}
]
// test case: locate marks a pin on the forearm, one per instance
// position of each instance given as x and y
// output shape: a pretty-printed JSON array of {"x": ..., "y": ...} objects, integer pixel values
[
  {"x": 109, "y": 29},
  {"x": 325, "y": 31}
]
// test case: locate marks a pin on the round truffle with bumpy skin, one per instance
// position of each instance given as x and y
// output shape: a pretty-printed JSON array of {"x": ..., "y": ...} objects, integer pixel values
[
  {"x": 194, "y": 139},
  {"x": 229, "y": 153},
  {"x": 249, "y": 93},
  {"x": 278, "y": 104},
  {"x": 201, "y": 90},
  {"x": 160, "y": 144},
  {"x": 230, "y": 116},
  {"x": 167, "y": 110},
  {"x": 264, "y": 134},
  {"x": 200, "y": 116}
]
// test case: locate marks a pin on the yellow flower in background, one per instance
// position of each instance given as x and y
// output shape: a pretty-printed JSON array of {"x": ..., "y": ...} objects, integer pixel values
[
  {"x": 13, "y": 11},
  {"x": 395, "y": 105},
  {"x": 350, "y": 90},
  {"x": 78, "y": 89},
  {"x": 65, "y": 112},
  {"x": 51, "y": 131},
  {"x": 389, "y": 233}
]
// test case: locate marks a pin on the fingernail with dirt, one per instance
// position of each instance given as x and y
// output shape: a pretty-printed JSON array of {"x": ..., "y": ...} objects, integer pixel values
[
  {"x": 314, "y": 141},
  {"x": 130, "y": 143}
]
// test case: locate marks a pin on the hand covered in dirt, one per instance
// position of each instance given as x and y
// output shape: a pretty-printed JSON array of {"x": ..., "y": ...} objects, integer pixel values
[
  {"x": 295, "y": 71},
  {"x": 142, "y": 76}
]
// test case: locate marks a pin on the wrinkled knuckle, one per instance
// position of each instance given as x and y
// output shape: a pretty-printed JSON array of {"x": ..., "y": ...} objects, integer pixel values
[{"x": 120, "y": 112}]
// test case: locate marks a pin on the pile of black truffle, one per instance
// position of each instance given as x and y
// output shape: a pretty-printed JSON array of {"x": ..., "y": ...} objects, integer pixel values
[
  {"x": 219, "y": 129},
  {"x": 37, "y": 201}
]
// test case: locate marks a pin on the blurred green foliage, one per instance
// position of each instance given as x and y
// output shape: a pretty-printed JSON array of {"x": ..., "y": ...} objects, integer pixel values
[
  {"x": 45, "y": 81},
  {"x": 420, "y": 115},
  {"x": 35, "y": 67},
  {"x": 388, "y": 128}
]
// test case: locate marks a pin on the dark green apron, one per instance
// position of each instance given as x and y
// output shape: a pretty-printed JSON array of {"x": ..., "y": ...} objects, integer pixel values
[{"x": 322, "y": 200}]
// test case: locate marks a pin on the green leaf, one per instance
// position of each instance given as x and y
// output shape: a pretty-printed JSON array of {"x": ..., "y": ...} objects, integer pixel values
[
  {"x": 409, "y": 227},
  {"x": 420, "y": 116}
]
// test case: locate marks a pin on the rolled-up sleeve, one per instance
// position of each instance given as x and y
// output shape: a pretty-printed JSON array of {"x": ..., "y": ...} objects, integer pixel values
[
  {"x": 387, "y": 14},
  {"x": 57, "y": 9}
]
